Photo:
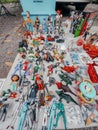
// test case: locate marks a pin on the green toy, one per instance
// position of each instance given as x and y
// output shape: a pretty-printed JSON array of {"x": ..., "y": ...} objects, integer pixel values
[
  {"x": 36, "y": 68},
  {"x": 60, "y": 107},
  {"x": 67, "y": 97},
  {"x": 78, "y": 30},
  {"x": 21, "y": 49},
  {"x": 65, "y": 79}
]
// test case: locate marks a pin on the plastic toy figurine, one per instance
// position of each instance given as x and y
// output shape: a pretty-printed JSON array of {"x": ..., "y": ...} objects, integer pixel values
[
  {"x": 31, "y": 57},
  {"x": 80, "y": 42},
  {"x": 69, "y": 69},
  {"x": 61, "y": 113},
  {"x": 50, "y": 38},
  {"x": 40, "y": 29},
  {"x": 52, "y": 113},
  {"x": 66, "y": 88},
  {"x": 37, "y": 24},
  {"x": 28, "y": 22},
  {"x": 50, "y": 24},
  {"x": 57, "y": 21},
  {"x": 28, "y": 34},
  {"x": 39, "y": 82},
  {"x": 42, "y": 38},
  {"x": 22, "y": 52},
  {"x": 23, "y": 43},
  {"x": 65, "y": 79},
  {"x": 32, "y": 93},
  {"x": 44, "y": 26},
  {"x": 36, "y": 41},
  {"x": 86, "y": 33},
  {"x": 67, "y": 97},
  {"x": 50, "y": 69},
  {"x": 28, "y": 124},
  {"x": 3, "y": 112},
  {"x": 45, "y": 119},
  {"x": 93, "y": 73},
  {"x": 25, "y": 65},
  {"x": 91, "y": 49},
  {"x": 49, "y": 57},
  {"x": 39, "y": 60},
  {"x": 22, "y": 115},
  {"x": 18, "y": 67},
  {"x": 60, "y": 40}
]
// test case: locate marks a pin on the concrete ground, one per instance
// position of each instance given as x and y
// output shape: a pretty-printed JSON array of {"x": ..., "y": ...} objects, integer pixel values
[{"x": 11, "y": 32}]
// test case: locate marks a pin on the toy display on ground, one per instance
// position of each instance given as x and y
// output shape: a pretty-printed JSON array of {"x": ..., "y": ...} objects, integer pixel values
[{"x": 53, "y": 83}]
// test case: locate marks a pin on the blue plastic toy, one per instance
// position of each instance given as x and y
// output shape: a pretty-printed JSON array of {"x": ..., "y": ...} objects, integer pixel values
[
  {"x": 18, "y": 67},
  {"x": 60, "y": 107},
  {"x": 22, "y": 115},
  {"x": 52, "y": 112}
]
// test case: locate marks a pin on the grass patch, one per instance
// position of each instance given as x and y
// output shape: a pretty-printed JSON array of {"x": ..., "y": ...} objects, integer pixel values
[{"x": 9, "y": 1}]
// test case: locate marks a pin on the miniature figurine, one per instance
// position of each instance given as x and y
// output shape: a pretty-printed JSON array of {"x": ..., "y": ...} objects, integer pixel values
[
  {"x": 22, "y": 115},
  {"x": 18, "y": 67},
  {"x": 67, "y": 97},
  {"x": 44, "y": 26},
  {"x": 23, "y": 43},
  {"x": 39, "y": 82},
  {"x": 3, "y": 112},
  {"x": 37, "y": 24},
  {"x": 50, "y": 70},
  {"x": 28, "y": 34},
  {"x": 28, "y": 22},
  {"x": 60, "y": 107},
  {"x": 50, "y": 24},
  {"x": 86, "y": 33},
  {"x": 22, "y": 52},
  {"x": 57, "y": 21},
  {"x": 52, "y": 113}
]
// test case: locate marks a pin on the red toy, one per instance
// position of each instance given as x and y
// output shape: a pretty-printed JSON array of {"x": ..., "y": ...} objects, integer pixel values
[
  {"x": 92, "y": 73},
  {"x": 42, "y": 38},
  {"x": 59, "y": 85},
  {"x": 50, "y": 38},
  {"x": 13, "y": 95},
  {"x": 25, "y": 65},
  {"x": 92, "y": 50},
  {"x": 28, "y": 34},
  {"x": 39, "y": 82},
  {"x": 69, "y": 69},
  {"x": 50, "y": 69},
  {"x": 80, "y": 42}
]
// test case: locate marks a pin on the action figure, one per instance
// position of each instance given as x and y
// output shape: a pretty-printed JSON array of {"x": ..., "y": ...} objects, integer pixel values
[
  {"x": 22, "y": 115},
  {"x": 52, "y": 113},
  {"x": 85, "y": 34},
  {"x": 44, "y": 25},
  {"x": 60, "y": 107},
  {"x": 18, "y": 67},
  {"x": 50, "y": 24},
  {"x": 3, "y": 112},
  {"x": 28, "y": 22},
  {"x": 37, "y": 23}
]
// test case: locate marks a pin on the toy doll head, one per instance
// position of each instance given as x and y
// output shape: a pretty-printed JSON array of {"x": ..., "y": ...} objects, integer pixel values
[{"x": 28, "y": 14}]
